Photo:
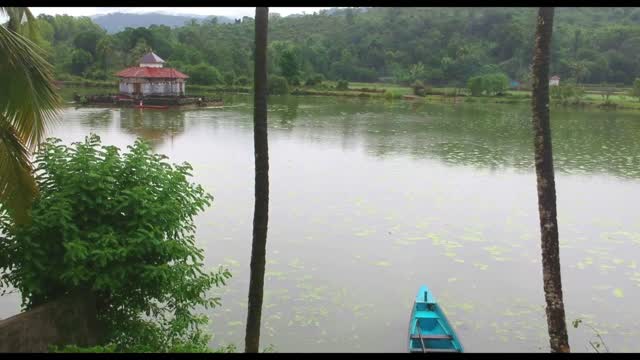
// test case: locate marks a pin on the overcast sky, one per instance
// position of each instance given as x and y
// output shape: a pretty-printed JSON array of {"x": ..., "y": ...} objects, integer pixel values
[{"x": 222, "y": 11}]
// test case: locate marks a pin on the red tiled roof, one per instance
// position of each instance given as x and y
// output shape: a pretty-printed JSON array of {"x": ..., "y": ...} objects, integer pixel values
[
  {"x": 150, "y": 72},
  {"x": 555, "y": 77}
]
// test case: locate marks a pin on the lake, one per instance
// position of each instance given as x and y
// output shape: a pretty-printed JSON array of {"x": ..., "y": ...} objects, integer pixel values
[{"x": 369, "y": 199}]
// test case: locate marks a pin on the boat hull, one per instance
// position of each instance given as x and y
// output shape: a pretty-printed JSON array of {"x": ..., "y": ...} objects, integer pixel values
[{"x": 429, "y": 328}]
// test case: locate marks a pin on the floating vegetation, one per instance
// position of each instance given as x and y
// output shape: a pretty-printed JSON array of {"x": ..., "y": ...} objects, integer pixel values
[
  {"x": 473, "y": 237},
  {"x": 274, "y": 274},
  {"x": 496, "y": 251},
  {"x": 403, "y": 242},
  {"x": 296, "y": 264},
  {"x": 617, "y": 292},
  {"x": 383, "y": 263},
  {"x": 234, "y": 323},
  {"x": 363, "y": 233},
  {"x": 467, "y": 307},
  {"x": 481, "y": 266}
]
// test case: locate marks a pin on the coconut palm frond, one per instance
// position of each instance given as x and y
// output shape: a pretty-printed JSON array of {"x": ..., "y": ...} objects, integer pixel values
[
  {"x": 29, "y": 100},
  {"x": 28, "y": 104},
  {"x": 17, "y": 186},
  {"x": 21, "y": 20}
]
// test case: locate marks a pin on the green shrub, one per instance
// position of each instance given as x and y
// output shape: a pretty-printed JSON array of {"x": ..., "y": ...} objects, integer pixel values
[
  {"x": 490, "y": 84},
  {"x": 204, "y": 74},
  {"x": 342, "y": 85},
  {"x": 119, "y": 225},
  {"x": 277, "y": 85}
]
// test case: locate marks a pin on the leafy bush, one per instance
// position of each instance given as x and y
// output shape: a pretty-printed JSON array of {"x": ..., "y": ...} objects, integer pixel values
[
  {"x": 342, "y": 85},
  {"x": 121, "y": 226},
  {"x": 295, "y": 81},
  {"x": 203, "y": 74},
  {"x": 490, "y": 84},
  {"x": 277, "y": 85}
]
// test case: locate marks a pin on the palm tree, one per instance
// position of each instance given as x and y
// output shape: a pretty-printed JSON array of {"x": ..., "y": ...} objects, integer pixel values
[
  {"x": 261, "y": 210},
  {"x": 29, "y": 103},
  {"x": 546, "y": 184}
]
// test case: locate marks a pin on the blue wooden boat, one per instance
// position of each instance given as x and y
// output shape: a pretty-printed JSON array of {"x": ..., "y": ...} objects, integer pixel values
[{"x": 429, "y": 329}]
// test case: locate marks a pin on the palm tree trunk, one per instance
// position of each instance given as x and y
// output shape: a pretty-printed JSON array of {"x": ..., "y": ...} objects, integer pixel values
[
  {"x": 261, "y": 210},
  {"x": 546, "y": 185}
]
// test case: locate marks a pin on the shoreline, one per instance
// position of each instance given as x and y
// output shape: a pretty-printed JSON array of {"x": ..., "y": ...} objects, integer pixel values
[{"x": 388, "y": 94}]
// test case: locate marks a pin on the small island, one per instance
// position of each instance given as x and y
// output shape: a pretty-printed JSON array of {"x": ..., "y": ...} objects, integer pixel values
[{"x": 149, "y": 86}]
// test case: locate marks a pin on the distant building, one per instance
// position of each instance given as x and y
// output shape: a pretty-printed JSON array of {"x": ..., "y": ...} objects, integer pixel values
[
  {"x": 150, "y": 78},
  {"x": 555, "y": 81}
]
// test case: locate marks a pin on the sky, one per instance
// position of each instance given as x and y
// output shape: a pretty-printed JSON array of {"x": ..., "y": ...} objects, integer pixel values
[{"x": 234, "y": 12}]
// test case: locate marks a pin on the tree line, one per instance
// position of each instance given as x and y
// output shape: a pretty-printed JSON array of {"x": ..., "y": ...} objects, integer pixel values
[{"x": 438, "y": 46}]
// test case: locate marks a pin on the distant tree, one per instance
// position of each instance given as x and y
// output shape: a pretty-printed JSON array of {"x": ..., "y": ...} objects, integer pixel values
[
  {"x": 87, "y": 41},
  {"x": 289, "y": 66},
  {"x": 349, "y": 16},
  {"x": 137, "y": 52},
  {"x": 105, "y": 49},
  {"x": 80, "y": 61}
]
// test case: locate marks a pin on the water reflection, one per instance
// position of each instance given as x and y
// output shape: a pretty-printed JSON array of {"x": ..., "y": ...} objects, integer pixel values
[
  {"x": 101, "y": 118},
  {"x": 156, "y": 126}
]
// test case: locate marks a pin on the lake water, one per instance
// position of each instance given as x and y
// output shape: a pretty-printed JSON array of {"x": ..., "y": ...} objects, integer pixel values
[{"x": 370, "y": 199}]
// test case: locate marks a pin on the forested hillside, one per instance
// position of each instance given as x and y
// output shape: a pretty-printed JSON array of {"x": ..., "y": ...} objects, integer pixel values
[
  {"x": 440, "y": 46},
  {"x": 115, "y": 22}
]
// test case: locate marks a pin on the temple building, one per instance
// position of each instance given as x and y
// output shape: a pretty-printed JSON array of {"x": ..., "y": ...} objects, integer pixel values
[{"x": 151, "y": 79}]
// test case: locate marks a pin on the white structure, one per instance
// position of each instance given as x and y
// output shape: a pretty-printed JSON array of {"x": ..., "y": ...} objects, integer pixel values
[
  {"x": 151, "y": 79},
  {"x": 151, "y": 60},
  {"x": 555, "y": 81}
]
